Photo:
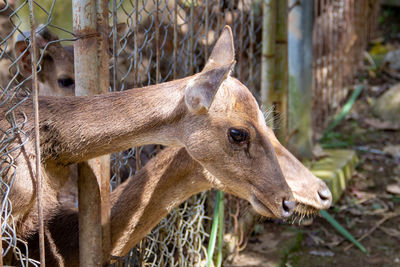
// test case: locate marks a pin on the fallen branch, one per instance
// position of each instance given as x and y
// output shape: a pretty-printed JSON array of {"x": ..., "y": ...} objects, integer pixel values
[{"x": 379, "y": 223}]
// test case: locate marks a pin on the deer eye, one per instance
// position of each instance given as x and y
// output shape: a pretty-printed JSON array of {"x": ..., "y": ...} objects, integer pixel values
[
  {"x": 66, "y": 82},
  {"x": 238, "y": 136}
]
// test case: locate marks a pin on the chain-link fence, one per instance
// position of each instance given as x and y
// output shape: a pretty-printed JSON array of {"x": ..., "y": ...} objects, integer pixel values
[
  {"x": 155, "y": 41},
  {"x": 165, "y": 40},
  {"x": 16, "y": 84},
  {"x": 342, "y": 30}
]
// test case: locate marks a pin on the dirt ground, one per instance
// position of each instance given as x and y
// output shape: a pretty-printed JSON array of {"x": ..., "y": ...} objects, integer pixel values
[{"x": 367, "y": 209}]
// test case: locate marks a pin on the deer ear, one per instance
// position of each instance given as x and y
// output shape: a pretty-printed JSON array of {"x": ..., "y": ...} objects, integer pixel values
[
  {"x": 200, "y": 92},
  {"x": 44, "y": 36},
  {"x": 21, "y": 50},
  {"x": 223, "y": 52}
]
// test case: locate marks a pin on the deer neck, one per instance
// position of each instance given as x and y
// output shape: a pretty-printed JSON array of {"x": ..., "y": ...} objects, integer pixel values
[
  {"x": 91, "y": 126},
  {"x": 137, "y": 205},
  {"x": 145, "y": 199}
]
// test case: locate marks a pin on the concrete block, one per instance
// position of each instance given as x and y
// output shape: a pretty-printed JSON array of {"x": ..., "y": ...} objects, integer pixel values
[{"x": 336, "y": 170}]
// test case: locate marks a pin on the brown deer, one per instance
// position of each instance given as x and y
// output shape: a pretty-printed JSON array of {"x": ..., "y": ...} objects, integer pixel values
[
  {"x": 211, "y": 114},
  {"x": 56, "y": 76},
  {"x": 144, "y": 199}
]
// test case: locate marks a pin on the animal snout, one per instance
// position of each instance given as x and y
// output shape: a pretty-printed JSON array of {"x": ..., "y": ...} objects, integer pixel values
[
  {"x": 288, "y": 207},
  {"x": 325, "y": 197}
]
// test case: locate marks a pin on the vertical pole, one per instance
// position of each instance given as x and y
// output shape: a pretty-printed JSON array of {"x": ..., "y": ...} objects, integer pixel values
[
  {"x": 251, "y": 47},
  {"x": 1, "y": 244},
  {"x": 317, "y": 51},
  {"x": 206, "y": 31},
  {"x": 136, "y": 47},
  {"x": 241, "y": 63},
  {"x": 175, "y": 41},
  {"x": 104, "y": 87},
  {"x": 1, "y": 240},
  {"x": 157, "y": 40},
  {"x": 39, "y": 192},
  {"x": 90, "y": 21},
  {"x": 280, "y": 92},
  {"x": 268, "y": 52},
  {"x": 300, "y": 77},
  {"x": 323, "y": 25},
  {"x": 191, "y": 38},
  {"x": 329, "y": 57}
]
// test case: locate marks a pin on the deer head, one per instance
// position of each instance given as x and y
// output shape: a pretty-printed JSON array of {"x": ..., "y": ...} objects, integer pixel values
[
  {"x": 56, "y": 76},
  {"x": 226, "y": 133}
]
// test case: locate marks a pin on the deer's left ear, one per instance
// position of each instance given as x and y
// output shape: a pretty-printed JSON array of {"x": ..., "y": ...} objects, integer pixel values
[
  {"x": 200, "y": 92},
  {"x": 223, "y": 52}
]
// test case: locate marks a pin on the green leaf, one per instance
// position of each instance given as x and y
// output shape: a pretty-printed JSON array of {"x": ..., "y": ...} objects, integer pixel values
[
  {"x": 345, "y": 110},
  {"x": 214, "y": 228},
  {"x": 341, "y": 229}
]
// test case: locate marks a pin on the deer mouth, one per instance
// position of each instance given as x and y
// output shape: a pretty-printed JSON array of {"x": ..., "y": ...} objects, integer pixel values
[
  {"x": 261, "y": 208},
  {"x": 301, "y": 210},
  {"x": 304, "y": 209}
]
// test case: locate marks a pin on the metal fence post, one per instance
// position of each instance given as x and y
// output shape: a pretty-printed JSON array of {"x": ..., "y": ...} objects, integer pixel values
[
  {"x": 35, "y": 100},
  {"x": 1, "y": 245},
  {"x": 300, "y": 77},
  {"x": 103, "y": 29},
  {"x": 90, "y": 21}
]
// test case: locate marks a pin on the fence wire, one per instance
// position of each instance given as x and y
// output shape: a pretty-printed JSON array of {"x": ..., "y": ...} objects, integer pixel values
[
  {"x": 15, "y": 87},
  {"x": 155, "y": 41},
  {"x": 10, "y": 86},
  {"x": 342, "y": 29}
]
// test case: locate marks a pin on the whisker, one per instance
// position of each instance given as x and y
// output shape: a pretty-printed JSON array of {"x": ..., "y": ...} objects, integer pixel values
[{"x": 272, "y": 118}]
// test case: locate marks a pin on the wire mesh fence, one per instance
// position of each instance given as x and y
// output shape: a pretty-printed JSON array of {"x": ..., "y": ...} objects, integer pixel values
[
  {"x": 163, "y": 40},
  {"x": 155, "y": 41},
  {"x": 342, "y": 30}
]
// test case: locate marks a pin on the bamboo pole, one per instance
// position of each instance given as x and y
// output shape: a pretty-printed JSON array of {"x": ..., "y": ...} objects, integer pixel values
[
  {"x": 90, "y": 21},
  {"x": 279, "y": 94},
  {"x": 268, "y": 52}
]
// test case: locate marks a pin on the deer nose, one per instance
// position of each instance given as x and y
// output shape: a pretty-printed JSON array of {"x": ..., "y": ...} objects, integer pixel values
[
  {"x": 325, "y": 197},
  {"x": 287, "y": 208}
]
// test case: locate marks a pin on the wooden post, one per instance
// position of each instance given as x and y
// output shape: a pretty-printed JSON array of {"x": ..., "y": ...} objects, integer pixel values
[
  {"x": 300, "y": 77},
  {"x": 90, "y": 21}
]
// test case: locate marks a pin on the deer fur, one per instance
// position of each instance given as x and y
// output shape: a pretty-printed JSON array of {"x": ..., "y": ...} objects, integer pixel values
[
  {"x": 144, "y": 199},
  {"x": 195, "y": 112}
]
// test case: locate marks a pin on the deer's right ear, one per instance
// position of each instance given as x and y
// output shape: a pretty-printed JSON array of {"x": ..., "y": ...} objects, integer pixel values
[
  {"x": 200, "y": 92},
  {"x": 21, "y": 50}
]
